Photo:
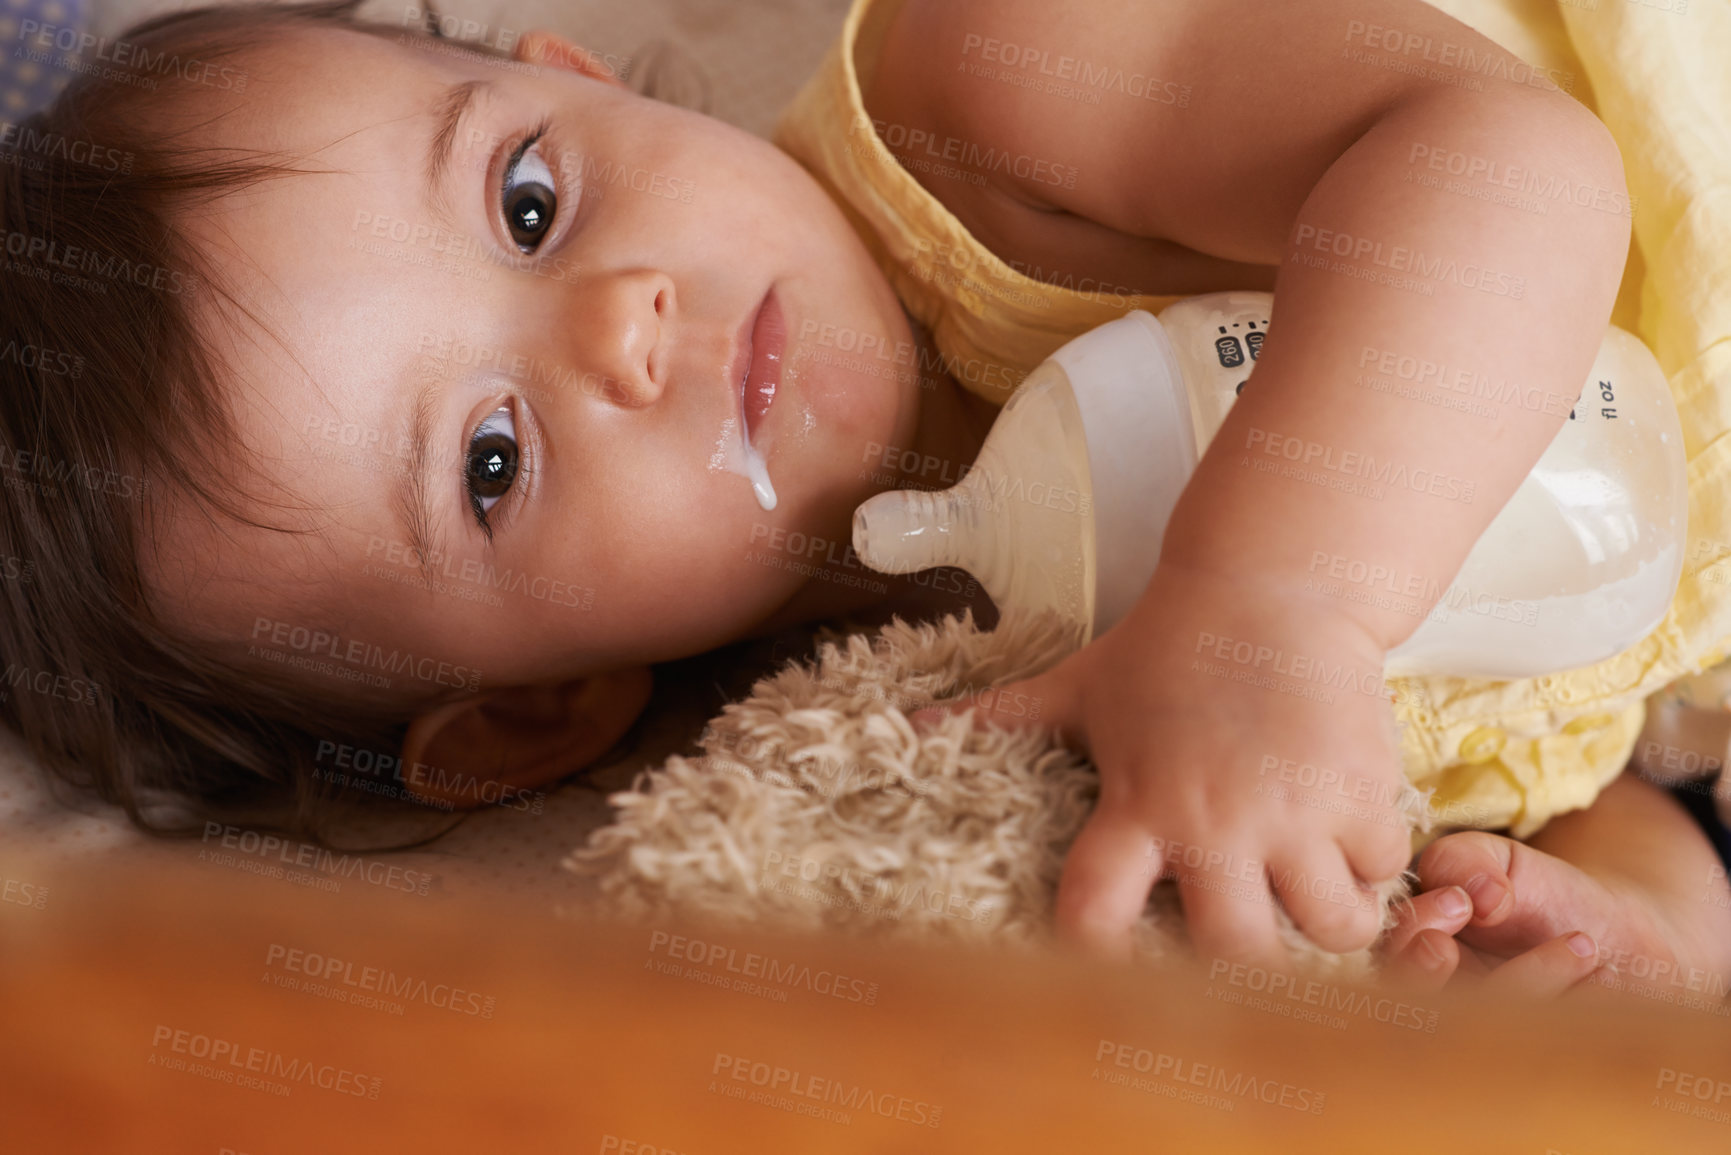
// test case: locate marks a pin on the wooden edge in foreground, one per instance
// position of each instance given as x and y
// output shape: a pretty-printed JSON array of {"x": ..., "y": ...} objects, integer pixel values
[{"x": 213, "y": 1009}]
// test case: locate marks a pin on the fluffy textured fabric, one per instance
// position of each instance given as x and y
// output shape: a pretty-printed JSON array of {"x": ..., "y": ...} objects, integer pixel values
[{"x": 816, "y": 804}]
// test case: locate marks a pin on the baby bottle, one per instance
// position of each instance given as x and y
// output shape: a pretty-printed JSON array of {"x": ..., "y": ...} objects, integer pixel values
[{"x": 1068, "y": 502}]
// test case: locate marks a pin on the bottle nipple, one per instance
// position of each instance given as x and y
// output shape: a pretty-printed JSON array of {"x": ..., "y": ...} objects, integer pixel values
[{"x": 908, "y": 530}]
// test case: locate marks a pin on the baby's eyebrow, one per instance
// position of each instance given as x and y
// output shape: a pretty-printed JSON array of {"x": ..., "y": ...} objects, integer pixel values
[
  {"x": 447, "y": 119},
  {"x": 411, "y": 504}
]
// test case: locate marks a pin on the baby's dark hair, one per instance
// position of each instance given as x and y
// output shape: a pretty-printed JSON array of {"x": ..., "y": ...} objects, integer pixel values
[{"x": 108, "y": 396}]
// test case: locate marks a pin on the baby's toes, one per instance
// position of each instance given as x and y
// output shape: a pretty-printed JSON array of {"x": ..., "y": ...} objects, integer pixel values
[
  {"x": 1446, "y": 910},
  {"x": 1533, "y": 897},
  {"x": 1424, "y": 963},
  {"x": 1478, "y": 863}
]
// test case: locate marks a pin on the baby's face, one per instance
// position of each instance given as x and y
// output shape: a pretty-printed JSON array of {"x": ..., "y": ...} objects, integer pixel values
[{"x": 515, "y": 339}]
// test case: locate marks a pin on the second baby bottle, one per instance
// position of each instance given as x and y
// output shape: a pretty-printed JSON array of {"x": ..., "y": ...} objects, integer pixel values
[{"x": 1068, "y": 501}]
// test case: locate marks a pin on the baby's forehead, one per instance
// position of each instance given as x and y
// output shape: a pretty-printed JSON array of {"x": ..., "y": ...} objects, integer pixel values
[
  {"x": 329, "y": 101},
  {"x": 318, "y": 67}
]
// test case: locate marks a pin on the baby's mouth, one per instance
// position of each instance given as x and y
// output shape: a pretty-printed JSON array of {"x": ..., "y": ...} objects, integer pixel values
[
  {"x": 755, "y": 371},
  {"x": 765, "y": 343}
]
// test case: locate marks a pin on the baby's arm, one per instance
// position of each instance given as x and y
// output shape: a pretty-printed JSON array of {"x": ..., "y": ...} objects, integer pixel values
[{"x": 1305, "y": 142}]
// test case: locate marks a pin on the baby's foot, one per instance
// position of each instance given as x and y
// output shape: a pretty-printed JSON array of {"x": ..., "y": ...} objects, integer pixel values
[{"x": 1661, "y": 945}]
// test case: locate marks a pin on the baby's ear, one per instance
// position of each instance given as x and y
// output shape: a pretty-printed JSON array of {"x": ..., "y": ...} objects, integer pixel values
[
  {"x": 540, "y": 46},
  {"x": 493, "y": 746}
]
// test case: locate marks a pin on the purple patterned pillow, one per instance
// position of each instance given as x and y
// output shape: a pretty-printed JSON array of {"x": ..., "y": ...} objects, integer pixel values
[{"x": 44, "y": 45}]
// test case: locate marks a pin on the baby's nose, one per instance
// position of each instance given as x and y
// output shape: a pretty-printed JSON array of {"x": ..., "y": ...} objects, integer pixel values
[{"x": 618, "y": 326}]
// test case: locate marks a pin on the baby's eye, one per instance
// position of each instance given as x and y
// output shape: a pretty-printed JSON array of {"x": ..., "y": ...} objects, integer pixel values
[
  {"x": 528, "y": 197},
  {"x": 492, "y": 463}
]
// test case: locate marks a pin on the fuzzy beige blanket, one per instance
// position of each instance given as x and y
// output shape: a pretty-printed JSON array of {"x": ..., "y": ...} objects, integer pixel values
[{"x": 815, "y": 804}]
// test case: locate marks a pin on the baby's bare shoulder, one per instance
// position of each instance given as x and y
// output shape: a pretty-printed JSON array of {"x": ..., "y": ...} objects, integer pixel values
[{"x": 1205, "y": 122}]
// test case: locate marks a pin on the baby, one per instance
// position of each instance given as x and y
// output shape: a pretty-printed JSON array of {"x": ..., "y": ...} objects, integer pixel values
[{"x": 454, "y": 388}]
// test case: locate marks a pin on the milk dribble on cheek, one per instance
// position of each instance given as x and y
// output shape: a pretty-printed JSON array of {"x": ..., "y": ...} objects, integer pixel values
[{"x": 735, "y": 454}]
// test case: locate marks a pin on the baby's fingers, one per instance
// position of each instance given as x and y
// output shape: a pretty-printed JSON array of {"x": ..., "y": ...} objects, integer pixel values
[
  {"x": 1232, "y": 917},
  {"x": 1052, "y": 699},
  {"x": 1329, "y": 905},
  {"x": 1104, "y": 887}
]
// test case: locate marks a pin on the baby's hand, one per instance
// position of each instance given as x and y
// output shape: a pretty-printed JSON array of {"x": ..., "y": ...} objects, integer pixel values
[{"x": 1246, "y": 747}]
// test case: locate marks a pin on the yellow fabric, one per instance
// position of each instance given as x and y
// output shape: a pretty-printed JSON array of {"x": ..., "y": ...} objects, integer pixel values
[{"x": 1498, "y": 754}]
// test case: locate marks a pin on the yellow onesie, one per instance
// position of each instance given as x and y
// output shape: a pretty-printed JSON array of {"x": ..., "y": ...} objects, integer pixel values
[{"x": 1497, "y": 753}]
